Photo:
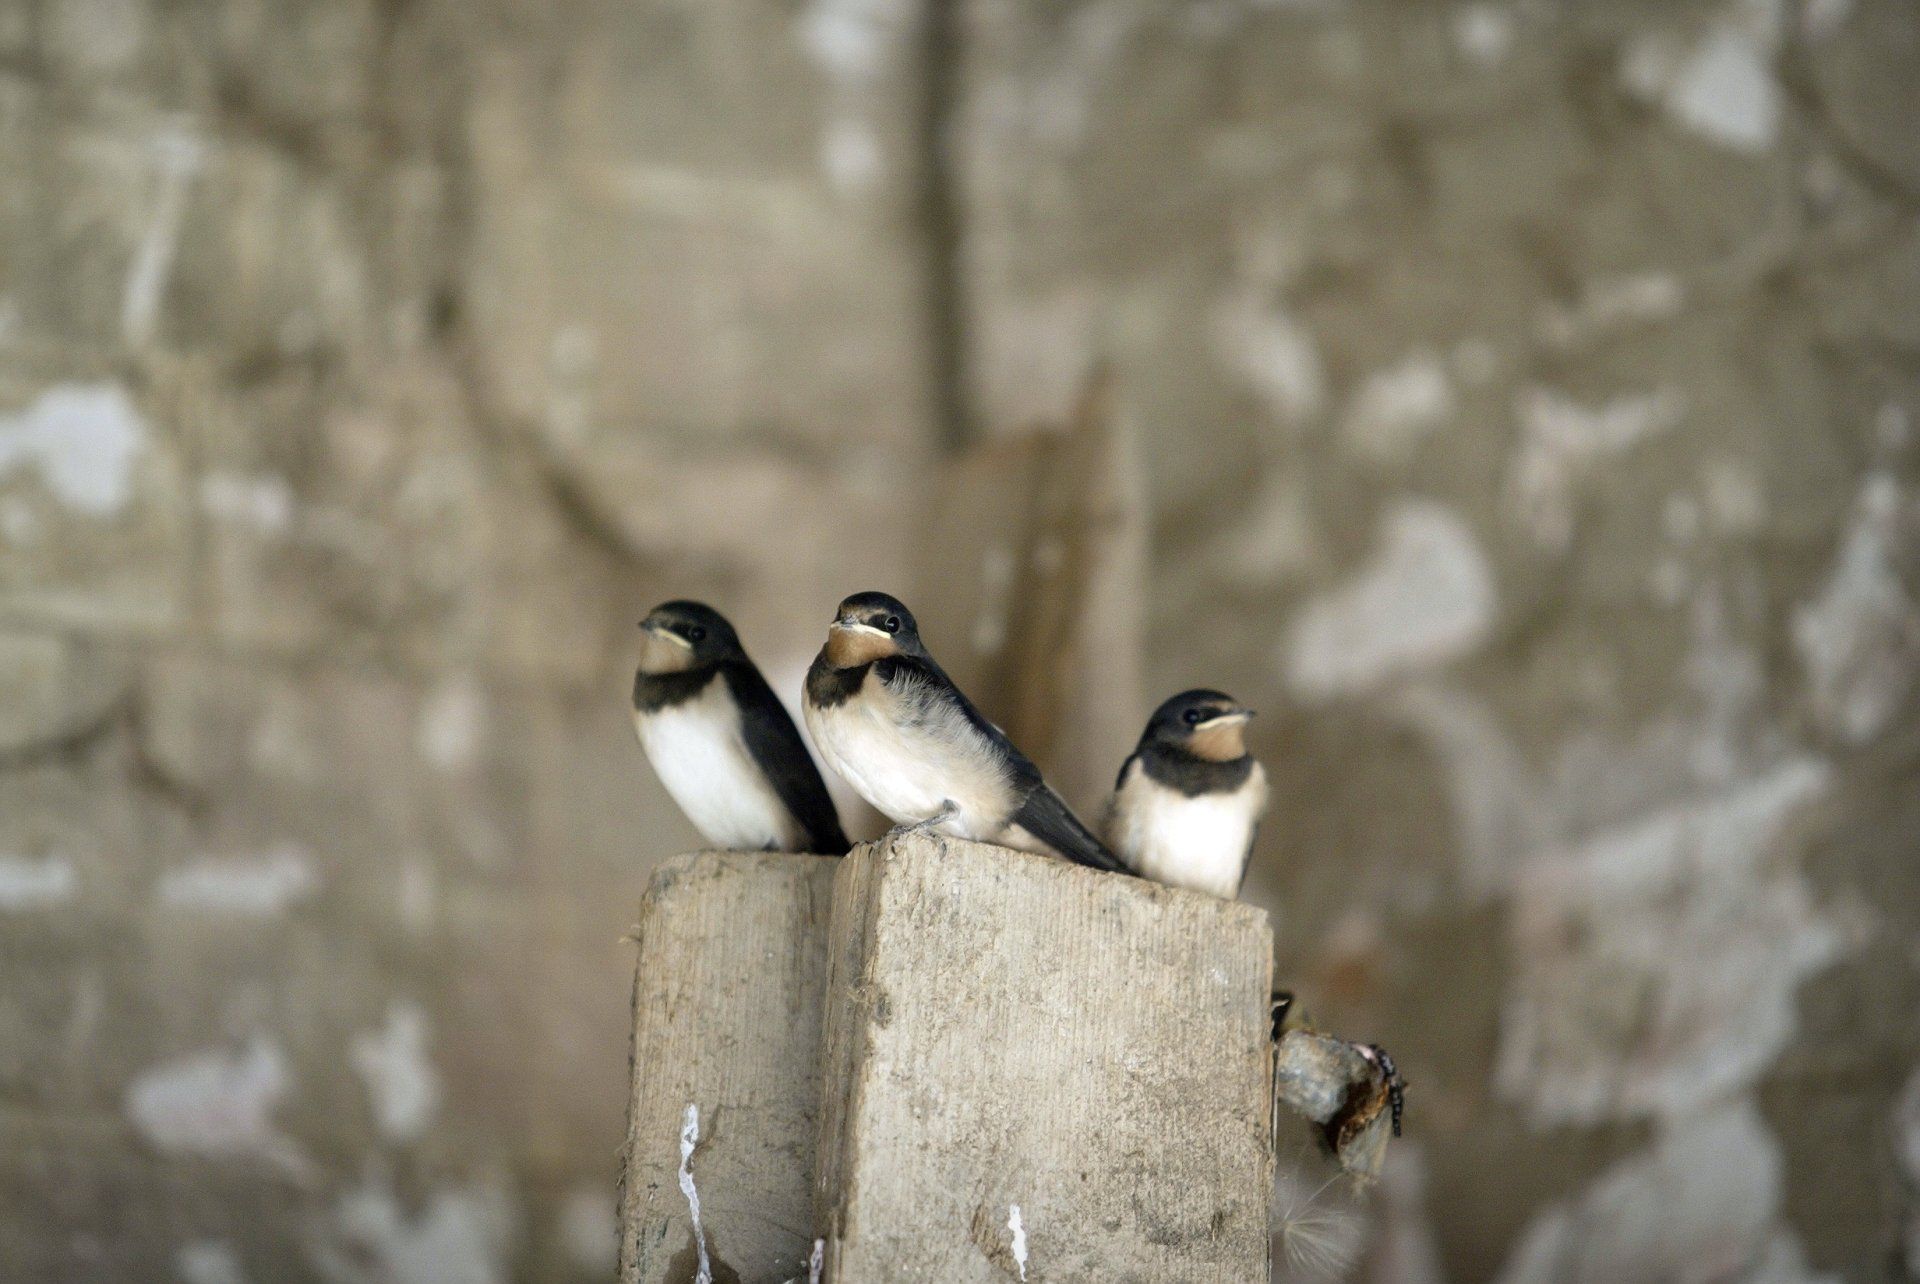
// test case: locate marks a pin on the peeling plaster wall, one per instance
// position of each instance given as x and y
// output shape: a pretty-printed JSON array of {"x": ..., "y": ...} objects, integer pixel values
[{"x": 1527, "y": 397}]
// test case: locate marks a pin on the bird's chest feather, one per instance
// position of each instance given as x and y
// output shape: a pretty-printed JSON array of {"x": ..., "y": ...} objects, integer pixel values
[
  {"x": 1198, "y": 842},
  {"x": 907, "y": 755},
  {"x": 700, "y": 754}
]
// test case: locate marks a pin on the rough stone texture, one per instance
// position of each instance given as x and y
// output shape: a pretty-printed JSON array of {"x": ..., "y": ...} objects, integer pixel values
[
  {"x": 728, "y": 995},
  {"x": 1013, "y": 1078},
  {"x": 1524, "y": 395}
]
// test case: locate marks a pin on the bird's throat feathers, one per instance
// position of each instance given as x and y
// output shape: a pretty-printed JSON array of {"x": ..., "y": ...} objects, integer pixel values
[
  {"x": 660, "y": 654},
  {"x": 851, "y": 648},
  {"x": 1222, "y": 742}
]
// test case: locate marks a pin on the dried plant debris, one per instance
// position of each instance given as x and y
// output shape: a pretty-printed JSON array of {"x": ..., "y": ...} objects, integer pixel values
[{"x": 1352, "y": 1091}]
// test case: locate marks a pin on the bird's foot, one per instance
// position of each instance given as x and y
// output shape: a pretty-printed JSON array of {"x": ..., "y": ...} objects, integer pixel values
[{"x": 948, "y": 810}]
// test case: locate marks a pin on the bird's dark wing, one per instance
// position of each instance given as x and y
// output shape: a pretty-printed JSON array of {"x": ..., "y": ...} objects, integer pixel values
[
  {"x": 1047, "y": 817},
  {"x": 1246, "y": 857},
  {"x": 776, "y": 746}
]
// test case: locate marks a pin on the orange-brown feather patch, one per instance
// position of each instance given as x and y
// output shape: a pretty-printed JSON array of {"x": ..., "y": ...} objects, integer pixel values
[
  {"x": 1221, "y": 742},
  {"x": 851, "y": 648}
]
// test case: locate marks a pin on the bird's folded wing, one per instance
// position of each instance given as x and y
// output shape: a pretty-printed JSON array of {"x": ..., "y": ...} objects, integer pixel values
[
  {"x": 775, "y": 744},
  {"x": 1047, "y": 817}
]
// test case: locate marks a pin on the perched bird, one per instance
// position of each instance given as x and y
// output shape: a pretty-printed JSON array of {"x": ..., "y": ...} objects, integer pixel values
[
  {"x": 721, "y": 741},
  {"x": 889, "y": 720},
  {"x": 1189, "y": 799}
]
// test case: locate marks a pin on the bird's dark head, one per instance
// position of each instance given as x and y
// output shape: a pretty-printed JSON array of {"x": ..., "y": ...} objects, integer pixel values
[
  {"x": 869, "y": 627},
  {"x": 1206, "y": 724},
  {"x": 685, "y": 635}
]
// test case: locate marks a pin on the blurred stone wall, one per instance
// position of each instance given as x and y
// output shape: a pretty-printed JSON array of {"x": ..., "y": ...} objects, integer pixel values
[{"x": 1523, "y": 396}]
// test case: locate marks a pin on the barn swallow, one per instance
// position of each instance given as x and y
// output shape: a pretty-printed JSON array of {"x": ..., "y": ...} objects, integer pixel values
[
  {"x": 721, "y": 741},
  {"x": 1188, "y": 801},
  {"x": 889, "y": 720}
]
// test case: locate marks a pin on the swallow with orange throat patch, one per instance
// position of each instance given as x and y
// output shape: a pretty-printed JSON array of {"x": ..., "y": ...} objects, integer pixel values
[
  {"x": 722, "y": 743},
  {"x": 891, "y": 722}
]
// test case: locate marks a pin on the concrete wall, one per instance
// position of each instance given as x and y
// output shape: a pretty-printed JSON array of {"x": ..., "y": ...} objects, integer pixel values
[{"x": 1523, "y": 398}]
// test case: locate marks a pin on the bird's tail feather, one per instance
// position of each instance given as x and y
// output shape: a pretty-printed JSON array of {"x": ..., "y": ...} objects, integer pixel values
[{"x": 1047, "y": 817}]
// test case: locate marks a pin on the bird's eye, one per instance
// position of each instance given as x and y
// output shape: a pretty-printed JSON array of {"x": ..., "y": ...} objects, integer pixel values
[
  {"x": 891, "y": 624},
  {"x": 696, "y": 634},
  {"x": 1190, "y": 717}
]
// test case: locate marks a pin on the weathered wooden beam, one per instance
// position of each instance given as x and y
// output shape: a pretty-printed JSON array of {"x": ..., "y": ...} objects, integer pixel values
[
  {"x": 1035, "y": 1071},
  {"x": 727, "y": 1000},
  {"x": 1007, "y": 1067}
]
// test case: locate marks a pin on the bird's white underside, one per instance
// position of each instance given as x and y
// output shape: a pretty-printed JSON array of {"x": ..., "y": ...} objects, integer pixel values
[
  {"x": 700, "y": 754},
  {"x": 908, "y": 761},
  {"x": 1198, "y": 843}
]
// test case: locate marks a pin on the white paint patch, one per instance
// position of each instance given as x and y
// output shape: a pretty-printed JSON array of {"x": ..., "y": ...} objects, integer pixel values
[
  {"x": 1658, "y": 959},
  {"x": 177, "y": 156},
  {"x": 209, "y": 1261},
  {"x": 1561, "y": 439},
  {"x": 262, "y": 502},
  {"x": 1721, "y": 87},
  {"x": 817, "y": 1261},
  {"x": 453, "y": 722},
  {"x": 1017, "y": 1229},
  {"x": 401, "y": 1082},
  {"x": 689, "y": 1138},
  {"x": 1484, "y": 33},
  {"x": 1396, "y": 408},
  {"x": 1701, "y": 1204},
  {"x": 849, "y": 39},
  {"x": 84, "y": 438},
  {"x": 1425, "y": 598},
  {"x": 217, "y": 1104},
  {"x": 590, "y": 1230},
  {"x": 1613, "y": 304},
  {"x": 1859, "y": 639},
  {"x": 1275, "y": 354},
  {"x": 1726, "y": 93},
  {"x": 29, "y": 884},
  {"x": 261, "y": 886},
  {"x": 460, "y": 1237}
]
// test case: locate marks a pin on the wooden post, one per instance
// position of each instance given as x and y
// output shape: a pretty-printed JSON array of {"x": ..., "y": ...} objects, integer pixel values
[
  {"x": 727, "y": 1000},
  {"x": 1038, "y": 1072},
  {"x": 952, "y": 1062}
]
